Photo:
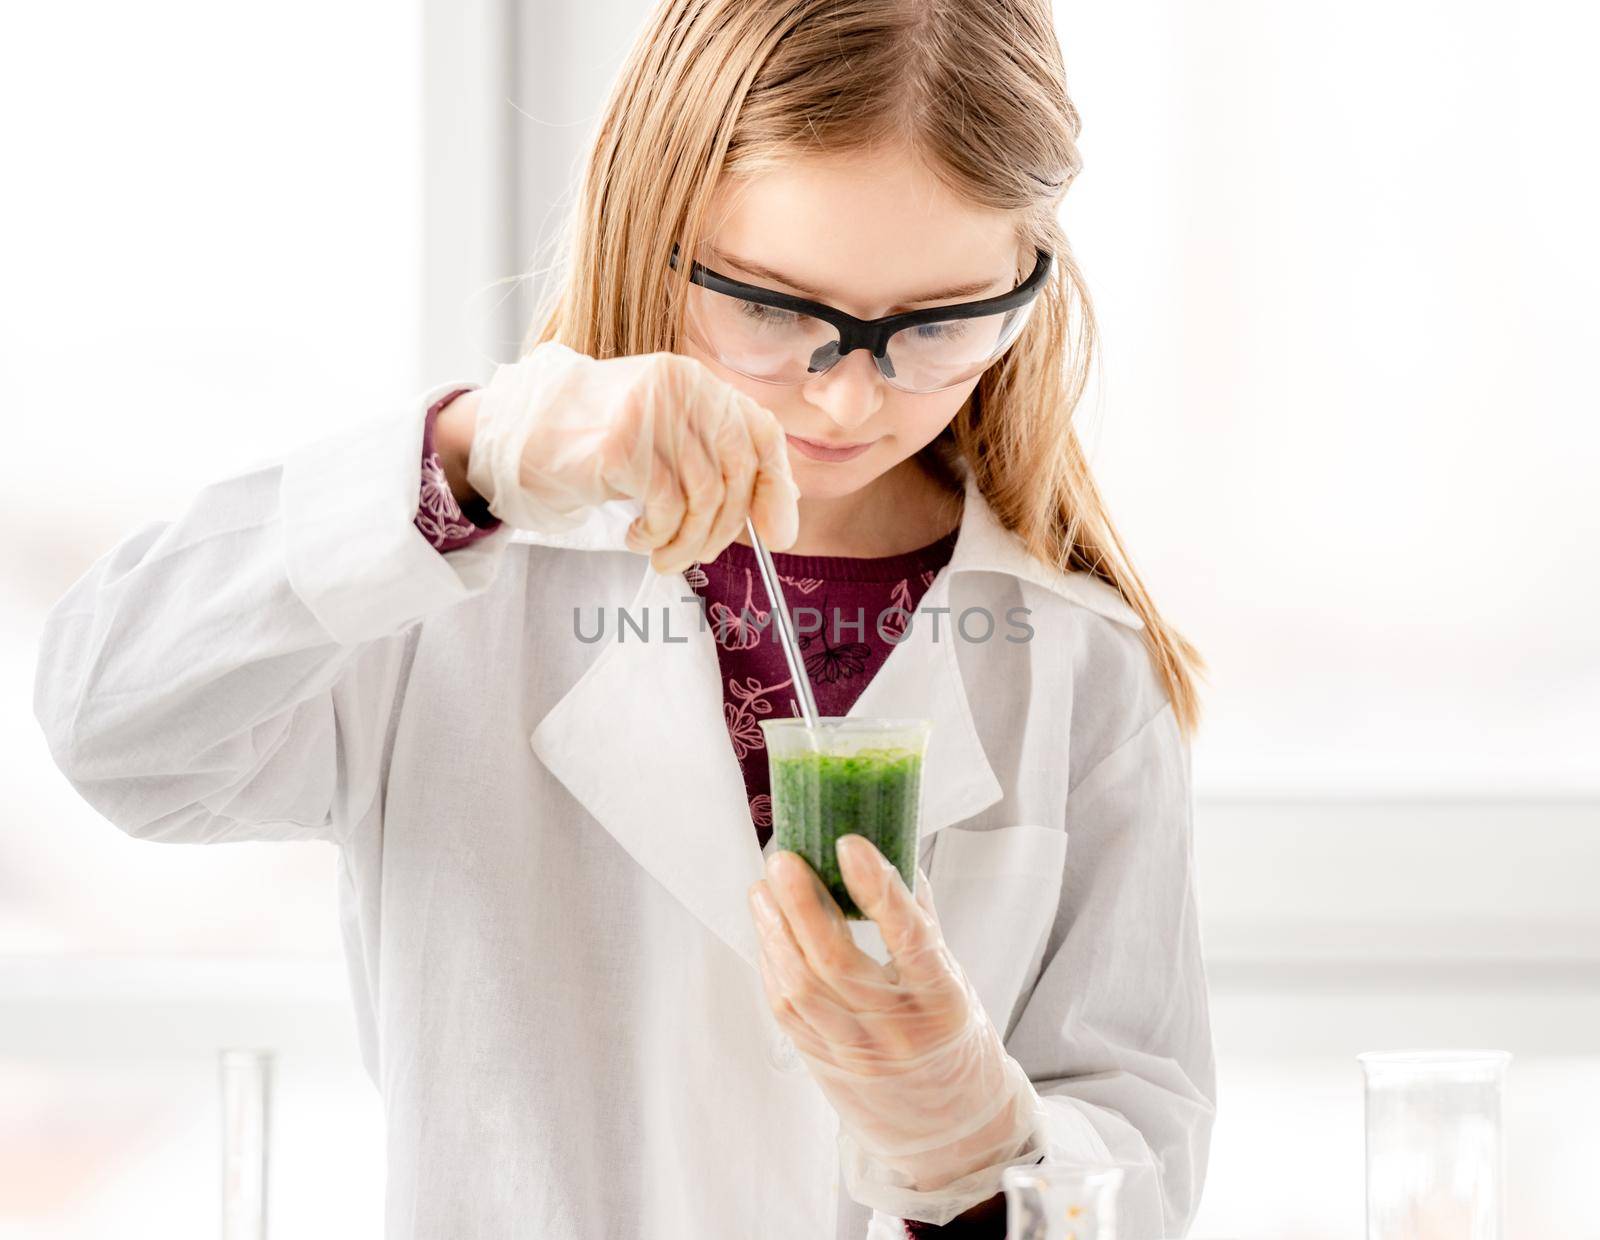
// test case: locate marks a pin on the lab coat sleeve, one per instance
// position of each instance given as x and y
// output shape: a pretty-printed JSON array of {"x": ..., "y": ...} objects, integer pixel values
[
  {"x": 1115, "y": 1034},
  {"x": 229, "y": 675}
]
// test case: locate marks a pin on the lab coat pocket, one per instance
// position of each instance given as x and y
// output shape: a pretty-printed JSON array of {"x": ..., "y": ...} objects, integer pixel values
[{"x": 996, "y": 891}]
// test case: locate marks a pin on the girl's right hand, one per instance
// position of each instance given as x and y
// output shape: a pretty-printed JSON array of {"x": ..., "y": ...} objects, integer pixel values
[{"x": 559, "y": 431}]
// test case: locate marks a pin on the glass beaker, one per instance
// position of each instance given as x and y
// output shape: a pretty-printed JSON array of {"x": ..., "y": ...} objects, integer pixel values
[
  {"x": 847, "y": 777},
  {"x": 1435, "y": 1153},
  {"x": 1061, "y": 1201},
  {"x": 245, "y": 1077}
]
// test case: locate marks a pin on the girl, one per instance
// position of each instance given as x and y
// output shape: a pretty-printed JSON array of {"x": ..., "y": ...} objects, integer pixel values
[{"x": 506, "y": 649}]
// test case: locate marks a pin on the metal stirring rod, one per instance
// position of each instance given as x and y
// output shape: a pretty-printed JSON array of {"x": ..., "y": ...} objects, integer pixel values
[{"x": 786, "y": 637}]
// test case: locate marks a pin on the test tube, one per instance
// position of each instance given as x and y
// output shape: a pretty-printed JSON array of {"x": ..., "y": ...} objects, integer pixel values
[{"x": 245, "y": 1077}]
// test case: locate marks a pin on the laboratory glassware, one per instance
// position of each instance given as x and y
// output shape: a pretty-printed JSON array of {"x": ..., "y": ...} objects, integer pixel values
[
  {"x": 1434, "y": 1148},
  {"x": 1061, "y": 1201}
]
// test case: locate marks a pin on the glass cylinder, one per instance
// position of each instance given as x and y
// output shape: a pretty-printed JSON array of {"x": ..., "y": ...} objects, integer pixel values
[
  {"x": 246, "y": 1080},
  {"x": 1435, "y": 1153},
  {"x": 847, "y": 776},
  {"x": 1061, "y": 1201}
]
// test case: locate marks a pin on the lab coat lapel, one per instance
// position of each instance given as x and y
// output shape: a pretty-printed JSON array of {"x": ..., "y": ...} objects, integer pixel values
[{"x": 640, "y": 741}]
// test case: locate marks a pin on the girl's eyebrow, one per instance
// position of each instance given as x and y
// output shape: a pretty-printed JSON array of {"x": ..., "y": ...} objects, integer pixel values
[{"x": 767, "y": 273}]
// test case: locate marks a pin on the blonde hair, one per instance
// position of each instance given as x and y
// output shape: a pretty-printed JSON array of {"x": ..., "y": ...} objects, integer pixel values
[{"x": 976, "y": 90}]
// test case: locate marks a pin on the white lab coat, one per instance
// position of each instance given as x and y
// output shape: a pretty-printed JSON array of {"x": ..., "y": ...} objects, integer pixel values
[{"x": 544, "y": 846}]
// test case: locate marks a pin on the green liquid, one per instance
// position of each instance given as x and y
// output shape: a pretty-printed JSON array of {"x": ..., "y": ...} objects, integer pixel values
[{"x": 873, "y": 792}]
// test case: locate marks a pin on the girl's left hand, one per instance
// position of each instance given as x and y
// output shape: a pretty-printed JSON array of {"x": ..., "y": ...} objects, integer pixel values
[{"x": 904, "y": 1051}]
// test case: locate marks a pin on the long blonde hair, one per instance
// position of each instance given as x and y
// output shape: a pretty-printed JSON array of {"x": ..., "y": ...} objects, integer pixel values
[{"x": 976, "y": 90}]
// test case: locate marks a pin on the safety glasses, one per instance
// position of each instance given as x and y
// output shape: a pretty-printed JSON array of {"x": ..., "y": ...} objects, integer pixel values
[{"x": 774, "y": 337}]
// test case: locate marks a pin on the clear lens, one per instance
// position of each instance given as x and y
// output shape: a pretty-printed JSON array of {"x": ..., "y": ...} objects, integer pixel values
[
  {"x": 776, "y": 346},
  {"x": 781, "y": 346},
  {"x": 938, "y": 355}
]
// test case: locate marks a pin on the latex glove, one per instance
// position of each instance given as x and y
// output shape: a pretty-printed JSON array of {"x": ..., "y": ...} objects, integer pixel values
[
  {"x": 559, "y": 431},
  {"x": 929, "y": 1101}
]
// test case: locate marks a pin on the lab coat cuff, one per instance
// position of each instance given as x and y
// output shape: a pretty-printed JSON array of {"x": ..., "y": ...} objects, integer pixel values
[
  {"x": 1067, "y": 1135},
  {"x": 886, "y": 1190},
  {"x": 353, "y": 552}
]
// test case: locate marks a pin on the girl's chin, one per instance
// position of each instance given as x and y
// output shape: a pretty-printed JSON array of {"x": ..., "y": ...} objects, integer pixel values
[{"x": 823, "y": 481}]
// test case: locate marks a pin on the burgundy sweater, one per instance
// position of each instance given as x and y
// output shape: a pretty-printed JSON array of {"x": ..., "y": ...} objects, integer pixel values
[{"x": 854, "y": 602}]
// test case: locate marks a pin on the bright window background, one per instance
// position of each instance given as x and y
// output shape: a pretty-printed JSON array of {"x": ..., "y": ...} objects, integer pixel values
[
  {"x": 1347, "y": 266},
  {"x": 211, "y": 235},
  {"x": 1347, "y": 285}
]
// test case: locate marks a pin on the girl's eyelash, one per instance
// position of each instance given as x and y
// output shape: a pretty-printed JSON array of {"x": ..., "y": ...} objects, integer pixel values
[
  {"x": 761, "y": 313},
  {"x": 756, "y": 310}
]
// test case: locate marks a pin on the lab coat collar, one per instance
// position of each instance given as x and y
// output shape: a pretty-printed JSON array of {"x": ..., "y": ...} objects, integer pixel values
[{"x": 641, "y": 739}]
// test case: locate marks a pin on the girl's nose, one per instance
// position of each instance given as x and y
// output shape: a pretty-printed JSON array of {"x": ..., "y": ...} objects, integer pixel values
[{"x": 850, "y": 393}]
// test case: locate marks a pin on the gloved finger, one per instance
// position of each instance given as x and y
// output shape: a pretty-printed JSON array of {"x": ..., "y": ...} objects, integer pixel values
[
  {"x": 813, "y": 1013},
  {"x": 910, "y": 932},
  {"x": 769, "y": 984},
  {"x": 824, "y": 937},
  {"x": 924, "y": 894},
  {"x": 824, "y": 1029},
  {"x": 700, "y": 479},
  {"x": 733, "y": 451},
  {"x": 773, "y": 508},
  {"x": 661, "y": 511}
]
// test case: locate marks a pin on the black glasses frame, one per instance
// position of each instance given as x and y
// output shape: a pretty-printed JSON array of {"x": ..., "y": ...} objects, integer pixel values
[{"x": 870, "y": 334}]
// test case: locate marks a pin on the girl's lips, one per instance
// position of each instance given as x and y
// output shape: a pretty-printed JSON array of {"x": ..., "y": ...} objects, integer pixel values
[{"x": 819, "y": 453}]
